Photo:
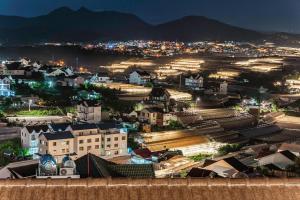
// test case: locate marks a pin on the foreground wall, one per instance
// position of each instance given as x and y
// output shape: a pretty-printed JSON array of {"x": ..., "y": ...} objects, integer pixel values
[{"x": 151, "y": 189}]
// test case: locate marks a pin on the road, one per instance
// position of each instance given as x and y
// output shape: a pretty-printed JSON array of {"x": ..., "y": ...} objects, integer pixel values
[{"x": 9, "y": 133}]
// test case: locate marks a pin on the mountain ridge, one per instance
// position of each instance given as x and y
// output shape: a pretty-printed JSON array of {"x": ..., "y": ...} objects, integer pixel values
[{"x": 83, "y": 25}]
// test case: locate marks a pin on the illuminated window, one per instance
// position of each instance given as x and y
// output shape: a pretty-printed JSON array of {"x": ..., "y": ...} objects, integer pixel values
[
  {"x": 81, "y": 141},
  {"x": 81, "y": 148}
]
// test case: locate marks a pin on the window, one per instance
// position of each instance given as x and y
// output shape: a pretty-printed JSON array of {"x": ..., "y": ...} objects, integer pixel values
[
  {"x": 81, "y": 134},
  {"x": 54, "y": 143},
  {"x": 123, "y": 137},
  {"x": 89, "y": 140},
  {"x": 116, "y": 152},
  {"x": 67, "y": 142},
  {"x": 108, "y": 139},
  {"x": 116, "y": 138},
  {"x": 102, "y": 146},
  {"x": 116, "y": 145},
  {"x": 81, "y": 141},
  {"x": 67, "y": 150},
  {"x": 97, "y": 147},
  {"x": 81, "y": 148},
  {"x": 108, "y": 146},
  {"x": 97, "y": 140},
  {"x": 89, "y": 148},
  {"x": 63, "y": 151},
  {"x": 91, "y": 132}
]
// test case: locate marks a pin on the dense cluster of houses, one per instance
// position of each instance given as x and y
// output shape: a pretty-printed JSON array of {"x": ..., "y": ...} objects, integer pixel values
[{"x": 279, "y": 160}]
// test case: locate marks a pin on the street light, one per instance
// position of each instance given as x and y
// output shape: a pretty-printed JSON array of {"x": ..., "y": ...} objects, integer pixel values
[{"x": 29, "y": 104}]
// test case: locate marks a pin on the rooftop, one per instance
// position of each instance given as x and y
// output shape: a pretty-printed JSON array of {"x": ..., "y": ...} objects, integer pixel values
[
  {"x": 77, "y": 127},
  {"x": 58, "y": 135},
  {"x": 37, "y": 128},
  {"x": 99, "y": 168}
]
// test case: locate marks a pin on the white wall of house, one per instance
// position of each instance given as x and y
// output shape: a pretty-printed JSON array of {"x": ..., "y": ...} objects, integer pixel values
[
  {"x": 195, "y": 84},
  {"x": 89, "y": 114},
  {"x": 30, "y": 140},
  {"x": 224, "y": 88},
  {"x": 135, "y": 78},
  {"x": 113, "y": 145}
]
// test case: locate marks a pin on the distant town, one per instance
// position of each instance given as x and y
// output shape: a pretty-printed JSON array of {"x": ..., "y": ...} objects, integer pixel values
[{"x": 166, "y": 109}]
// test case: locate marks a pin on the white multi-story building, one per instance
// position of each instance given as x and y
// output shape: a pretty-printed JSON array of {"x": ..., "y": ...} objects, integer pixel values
[
  {"x": 139, "y": 77},
  {"x": 113, "y": 144},
  {"x": 194, "y": 82},
  {"x": 89, "y": 111},
  {"x": 30, "y": 137},
  {"x": 5, "y": 87},
  {"x": 106, "y": 140}
]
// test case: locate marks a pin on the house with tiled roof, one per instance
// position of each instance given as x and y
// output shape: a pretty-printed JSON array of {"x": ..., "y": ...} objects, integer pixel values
[
  {"x": 292, "y": 147},
  {"x": 227, "y": 167},
  {"x": 159, "y": 94},
  {"x": 279, "y": 161},
  {"x": 152, "y": 115},
  {"x": 58, "y": 144},
  {"x": 194, "y": 82},
  {"x": 96, "y": 167},
  {"x": 139, "y": 77},
  {"x": 87, "y": 166}
]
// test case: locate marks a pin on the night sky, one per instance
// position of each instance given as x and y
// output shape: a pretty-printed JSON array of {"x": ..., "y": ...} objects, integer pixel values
[{"x": 267, "y": 15}]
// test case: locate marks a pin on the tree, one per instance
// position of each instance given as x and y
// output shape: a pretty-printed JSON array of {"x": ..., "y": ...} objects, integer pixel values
[
  {"x": 229, "y": 148},
  {"x": 13, "y": 147},
  {"x": 149, "y": 85},
  {"x": 175, "y": 125}
]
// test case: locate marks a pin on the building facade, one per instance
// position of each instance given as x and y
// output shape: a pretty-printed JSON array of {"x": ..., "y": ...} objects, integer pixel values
[
  {"x": 89, "y": 111},
  {"x": 5, "y": 90},
  {"x": 139, "y": 77},
  {"x": 224, "y": 88},
  {"x": 194, "y": 82}
]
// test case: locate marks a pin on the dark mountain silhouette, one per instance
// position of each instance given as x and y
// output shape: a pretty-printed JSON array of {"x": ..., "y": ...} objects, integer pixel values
[
  {"x": 192, "y": 28},
  {"x": 83, "y": 25}
]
